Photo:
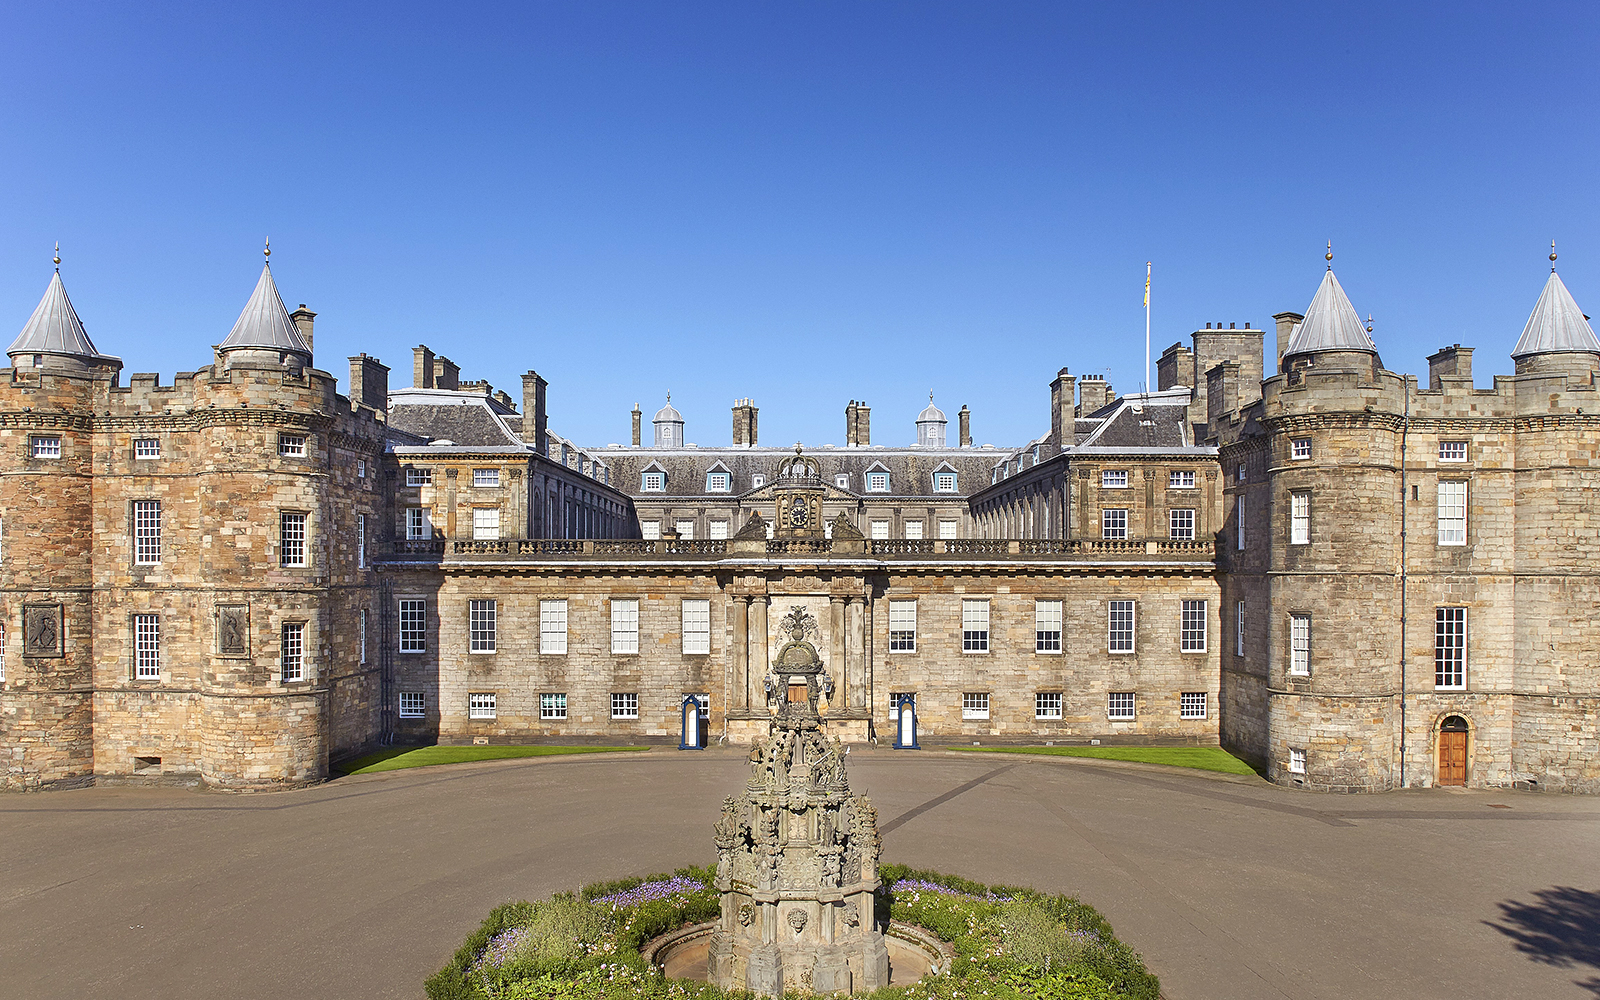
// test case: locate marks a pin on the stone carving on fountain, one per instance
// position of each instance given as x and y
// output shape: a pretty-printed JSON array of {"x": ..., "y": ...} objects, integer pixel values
[{"x": 797, "y": 854}]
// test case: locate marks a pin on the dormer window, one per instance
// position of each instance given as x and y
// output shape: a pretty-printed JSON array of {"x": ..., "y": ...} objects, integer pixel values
[
  {"x": 944, "y": 482},
  {"x": 758, "y": 480},
  {"x": 292, "y": 445},
  {"x": 653, "y": 482},
  {"x": 1114, "y": 479},
  {"x": 877, "y": 482},
  {"x": 719, "y": 482},
  {"x": 842, "y": 480}
]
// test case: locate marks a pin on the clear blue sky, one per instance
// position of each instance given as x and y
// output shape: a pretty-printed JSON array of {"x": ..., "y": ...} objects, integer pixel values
[{"x": 800, "y": 202}]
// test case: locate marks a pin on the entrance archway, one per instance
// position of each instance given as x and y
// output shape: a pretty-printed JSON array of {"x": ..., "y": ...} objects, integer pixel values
[{"x": 1453, "y": 751}]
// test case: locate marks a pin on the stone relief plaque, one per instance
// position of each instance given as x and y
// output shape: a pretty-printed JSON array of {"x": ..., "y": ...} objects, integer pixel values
[
  {"x": 233, "y": 630},
  {"x": 41, "y": 630}
]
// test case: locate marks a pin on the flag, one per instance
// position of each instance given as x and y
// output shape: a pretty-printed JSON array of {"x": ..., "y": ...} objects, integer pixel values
[{"x": 1147, "y": 291}]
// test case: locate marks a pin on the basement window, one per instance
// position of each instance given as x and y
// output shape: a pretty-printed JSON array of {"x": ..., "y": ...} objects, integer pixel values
[{"x": 147, "y": 765}]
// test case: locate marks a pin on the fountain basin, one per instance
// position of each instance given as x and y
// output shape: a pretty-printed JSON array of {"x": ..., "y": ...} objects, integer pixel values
[{"x": 913, "y": 952}]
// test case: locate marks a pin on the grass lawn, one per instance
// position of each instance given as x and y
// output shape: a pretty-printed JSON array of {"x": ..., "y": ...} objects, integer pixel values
[
  {"x": 1203, "y": 758},
  {"x": 396, "y": 758}
]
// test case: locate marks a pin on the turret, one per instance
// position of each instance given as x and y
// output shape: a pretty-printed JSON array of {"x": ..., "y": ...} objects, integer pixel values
[
  {"x": 1558, "y": 338},
  {"x": 54, "y": 337},
  {"x": 264, "y": 333}
]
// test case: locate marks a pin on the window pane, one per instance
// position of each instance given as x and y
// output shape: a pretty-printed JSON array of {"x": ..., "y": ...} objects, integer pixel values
[
  {"x": 974, "y": 626},
  {"x": 1047, "y": 626},
  {"x": 1300, "y": 644},
  {"x": 291, "y": 652},
  {"x": 147, "y": 532},
  {"x": 481, "y": 626},
  {"x": 1114, "y": 479},
  {"x": 553, "y": 706},
  {"x": 1047, "y": 705},
  {"x": 697, "y": 626},
  {"x": 947, "y": 529},
  {"x": 880, "y": 529},
  {"x": 1452, "y": 451},
  {"x": 902, "y": 626},
  {"x": 913, "y": 529},
  {"x": 1119, "y": 705},
  {"x": 486, "y": 523},
  {"x": 1193, "y": 705},
  {"x": 146, "y": 647},
  {"x": 486, "y": 477},
  {"x": 1450, "y": 647},
  {"x": 1299, "y": 518},
  {"x": 975, "y": 706},
  {"x": 413, "y": 626},
  {"x": 412, "y": 704},
  {"x": 1194, "y": 627},
  {"x": 147, "y": 448},
  {"x": 292, "y": 539},
  {"x": 1119, "y": 628},
  {"x": 625, "y": 626},
  {"x": 1114, "y": 522},
  {"x": 481, "y": 705},
  {"x": 553, "y": 626},
  {"x": 625, "y": 706},
  {"x": 1452, "y": 513},
  {"x": 1180, "y": 481},
  {"x": 1180, "y": 524}
]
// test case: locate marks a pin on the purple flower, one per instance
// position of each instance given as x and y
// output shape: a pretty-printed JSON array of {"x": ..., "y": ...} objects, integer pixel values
[{"x": 647, "y": 891}]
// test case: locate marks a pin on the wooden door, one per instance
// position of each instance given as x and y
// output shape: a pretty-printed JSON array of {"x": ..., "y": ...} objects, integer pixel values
[{"x": 1452, "y": 758}]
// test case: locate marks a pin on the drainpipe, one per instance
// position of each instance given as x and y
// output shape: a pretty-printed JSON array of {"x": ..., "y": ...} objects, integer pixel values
[{"x": 1405, "y": 429}]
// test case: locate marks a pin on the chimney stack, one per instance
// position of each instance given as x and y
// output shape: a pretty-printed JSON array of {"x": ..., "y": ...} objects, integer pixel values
[
  {"x": 1093, "y": 393},
  {"x": 1454, "y": 361},
  {"x": 850, "y": 423},
  {"x": 638, "y": 423},
  {"x": 1286, "y": 322},
  {"x": 1062, "y": 431},
  {"x": 421, "y": 368},
  {"x": 744, "y": 423},
  {"x": 302, "y": 320},
  {"x": 965, "y": 418},
  {"x": 863, "y": 424},
  {"x": 535, "y": 428},
  {"x": 1222, "y": 390},
  {"x": 369, "y": 384},
  {"x": 446, "y": 373},
  {"x": 1175, "y": 367}
]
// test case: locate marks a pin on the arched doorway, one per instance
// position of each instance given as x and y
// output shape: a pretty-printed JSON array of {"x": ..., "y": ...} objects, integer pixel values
[{"x": 1453, "y": 751}]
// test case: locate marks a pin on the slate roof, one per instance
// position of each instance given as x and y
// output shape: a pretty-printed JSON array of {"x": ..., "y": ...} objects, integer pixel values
[
  {"x": 910, "y": 469},
  {"x": 54, "y": 327},
  {"x": 1141, "y": 425},
  {"x": 265, "y": 322},
  {"x": 466, "y": 420},
  {"x": 1331, "y": 323},
  {"x": 1557, "y": 324}
]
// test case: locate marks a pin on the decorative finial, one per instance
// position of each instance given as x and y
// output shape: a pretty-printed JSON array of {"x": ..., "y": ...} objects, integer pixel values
[
  {"x": 797, "y": 448},
  {"x": 1552, "y": 256},
  {"x": 58, "y": 256},
  {"x": 669, "y": 395},
  {"x": 266, "y": 251},
  {"x": 1329, "y": 257},
  {"x": 1369, "y": 322},
  {"x": 930, "y": 395}
]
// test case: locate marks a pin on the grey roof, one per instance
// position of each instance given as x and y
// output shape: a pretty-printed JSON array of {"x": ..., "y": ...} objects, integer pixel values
[
  {"x": 1557, "y": 324},
  {"x": 668, "y": 413},
  {"x": 473, "y": 425},
  {"x": 265, "y": 322},
  {"x": 931, "y": 413},
  {"x": 1331, "y": 323},
  {"x": 910, "y": 469},
  {"x": 1146, "y": 425},
  {"x": 54, "y": 327}
]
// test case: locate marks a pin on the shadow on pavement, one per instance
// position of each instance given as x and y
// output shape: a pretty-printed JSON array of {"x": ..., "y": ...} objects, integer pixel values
[{"x": 1562, "y": 929}]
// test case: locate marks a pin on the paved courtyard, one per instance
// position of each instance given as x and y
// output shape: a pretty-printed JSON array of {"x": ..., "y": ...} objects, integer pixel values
[{"x": 1231, "y": 888}]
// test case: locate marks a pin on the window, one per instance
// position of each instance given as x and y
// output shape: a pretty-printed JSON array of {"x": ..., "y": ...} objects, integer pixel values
[
  {"x": 625, "y": 626},
  {"x": 1452, "y": 513},
  {"x": 1047, "y": 705},
  {"x": 147, "y": 647},
  {"x": 624, "y": 706},
  {"x": 553, "y": 626},
  {"x": 419, "y": 522},
  {"x": 1239, "y": 474},
  {"x": 146, "y": 532},
  {"x": 650, "y": 530},
  {"x": 719, "y": 530},
  {"x": 944, "y": 482},
  {"x": 361, "y": 470},
  {"x": 1238, "y": 629},
  {"x": 1119, "y": 626},
  {"x": 1297, "y": 761},
  {"x": 842, "y": 480},
  {"x": 1047, "y": 626},
  {"x": 975, "y": 705},
  {"x": 1192, "y": 705},
  {"x": 685, "y": 529},
  {"x": 653, "y": 482},
  {"x": 412, "y": 704},
  {"x": 877, "y": 482},
  {"x": 1300, "y": 448},
  {"x": 1180, "y": 524},
  {"x": 974, "y": 626},
  {"x": 703, "y": 700},
  {"x": 880, "y": 529},
  {"x": 1300, "y": 645},
  {"x": 947, "y": 529},
  {"x": 1119, "y": 705},
  {"x": 361, "y": 541},
  {"x": 291, "y": 652},
  {"x": 1299, "y": 519},
  {"x": 1180, "y": 480},
  {"x": 480, "y": 705},
  {"x": 902, "y": 626},
  {"x": 481, "y": 626},
  {"x": 553, "y": 706},
  {"x": 1193, "y": 639},
  {"x": 146, "y": 447},
  {"x": 913, "y": 529},
  {"x": 1452, "y": 451},
  {"x": 46, "y": 447},
  {"x": 413, "y": 626},
  {"x": 419, "y": 477},
  {"x": 292, "y": 445},
  {"x": 1114, "y": 479},
  {"x": 719, "y": 482},
  {"x": 758, "y": 480},
  {"x": 1114, "y": 522},
  {"x": 486, "y": 478},
  {"x": 894, "y": 700},
  {"x": 1238, "y": 523},
  {"x": 292, "y": 539},
  {"x": 2, "y": 651},
  {"x": 485, "y": 523},
  {"x": 697, "y": 626},
  {"x": 1450, "y": 647}
]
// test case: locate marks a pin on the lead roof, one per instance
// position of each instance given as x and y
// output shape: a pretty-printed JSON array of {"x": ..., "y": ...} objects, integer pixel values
[
  {"x": 54, "y": 327},
  {"x": 1556, "y": 324},
  {"x": 1331, "y": 323},
  {"x": 265, "y": 322}
]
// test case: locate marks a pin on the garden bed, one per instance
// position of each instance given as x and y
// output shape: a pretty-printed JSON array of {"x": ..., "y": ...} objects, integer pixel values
[{"x": 1007, "y": 943}]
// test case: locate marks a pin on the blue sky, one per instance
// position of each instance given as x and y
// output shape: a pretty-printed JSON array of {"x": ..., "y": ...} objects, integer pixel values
[{"x": 803, "y": 203}]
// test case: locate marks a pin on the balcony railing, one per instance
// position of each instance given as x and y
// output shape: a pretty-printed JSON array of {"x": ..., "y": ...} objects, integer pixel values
[{"x": 939, "y": 548}]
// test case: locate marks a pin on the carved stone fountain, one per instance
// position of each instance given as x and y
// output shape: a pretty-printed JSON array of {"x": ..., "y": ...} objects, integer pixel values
[{"x": 797, "y": 856}]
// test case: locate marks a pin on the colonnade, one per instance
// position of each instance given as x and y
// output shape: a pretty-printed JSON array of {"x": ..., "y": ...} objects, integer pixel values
[{"x": 849, "y": 660}]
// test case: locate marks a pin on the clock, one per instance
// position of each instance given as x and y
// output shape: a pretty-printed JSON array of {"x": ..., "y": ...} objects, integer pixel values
[{"x": 799, "y": 513}]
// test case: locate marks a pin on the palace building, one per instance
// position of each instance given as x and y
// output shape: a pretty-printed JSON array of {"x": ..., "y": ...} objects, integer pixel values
[{"x": 1358, "y": 580}]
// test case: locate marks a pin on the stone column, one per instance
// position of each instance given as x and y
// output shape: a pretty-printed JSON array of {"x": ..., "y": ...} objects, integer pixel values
[
  {"x": 758, "y": 641},
  {"x": 739, "y": 696},
  {"x": 839, "y": 659}
]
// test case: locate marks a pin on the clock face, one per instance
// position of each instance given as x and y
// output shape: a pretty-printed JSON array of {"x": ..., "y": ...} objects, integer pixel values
[{"x": 799, "y": 513}]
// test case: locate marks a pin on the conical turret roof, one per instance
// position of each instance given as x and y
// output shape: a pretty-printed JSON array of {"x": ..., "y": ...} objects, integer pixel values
[
  {"x": 54, "y": 327},
  {"x": 265, "y": 322},
  {"x": 1331, "y": 323},
  {"x": 1557, "y": 324}
]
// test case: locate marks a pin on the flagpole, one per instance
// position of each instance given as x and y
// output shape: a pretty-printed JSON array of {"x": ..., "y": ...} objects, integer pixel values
[{"x": 1147, "y": 326}]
